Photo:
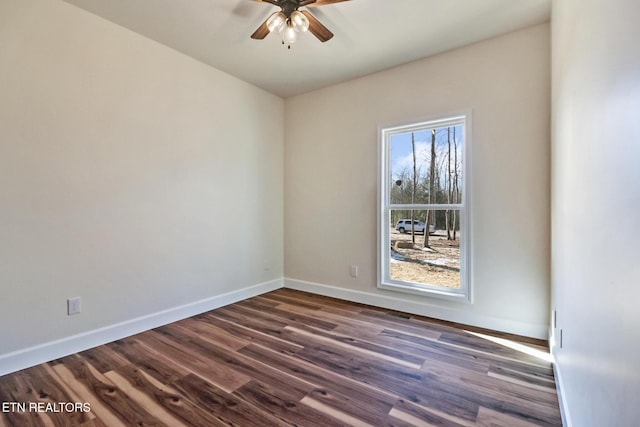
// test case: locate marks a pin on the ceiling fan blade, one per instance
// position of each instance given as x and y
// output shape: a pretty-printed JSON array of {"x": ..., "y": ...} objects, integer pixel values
[
  {"x": 316, "y": 28},
  {"x": 261, "y": 32},
  {"x": 323, "y": 2},
  {"x": 274, "y": 2}
]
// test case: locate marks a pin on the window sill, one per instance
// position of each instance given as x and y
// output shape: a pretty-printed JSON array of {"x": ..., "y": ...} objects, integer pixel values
[{"x": 427, "y": 292}]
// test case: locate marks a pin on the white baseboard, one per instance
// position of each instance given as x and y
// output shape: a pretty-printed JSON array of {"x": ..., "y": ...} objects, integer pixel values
[
  {"x": 423, "y": 309},
  {"x": 564, "y": 409},
  {"x": 21, "y": 359}
]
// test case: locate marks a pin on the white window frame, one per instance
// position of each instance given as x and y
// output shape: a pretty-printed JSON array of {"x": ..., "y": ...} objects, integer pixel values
[{"x": 465, "y": 292}]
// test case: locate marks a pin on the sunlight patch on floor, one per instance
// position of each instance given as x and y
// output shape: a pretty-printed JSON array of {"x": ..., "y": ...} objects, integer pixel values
[{"x": 523, "y": 348}]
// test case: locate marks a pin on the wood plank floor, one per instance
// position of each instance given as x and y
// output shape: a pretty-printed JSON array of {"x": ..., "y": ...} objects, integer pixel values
[{"x": 289, "y": 358}]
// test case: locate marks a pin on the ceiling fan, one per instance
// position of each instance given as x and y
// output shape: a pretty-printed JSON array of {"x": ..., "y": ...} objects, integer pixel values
[{"x": 290, "y": 21}]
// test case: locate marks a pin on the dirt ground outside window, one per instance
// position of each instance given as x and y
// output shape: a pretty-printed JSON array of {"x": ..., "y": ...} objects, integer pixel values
[{"x": 437, "y": 265}]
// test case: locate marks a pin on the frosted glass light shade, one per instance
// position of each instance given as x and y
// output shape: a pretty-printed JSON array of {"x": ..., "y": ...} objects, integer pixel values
[
  {"x": 276, "y": 21},
  {"x": 290, "y": 34},
  {"x": 300, "y": 22}
]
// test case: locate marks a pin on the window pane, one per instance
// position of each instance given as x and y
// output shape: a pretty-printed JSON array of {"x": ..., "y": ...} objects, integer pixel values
[
  {"x": 431, "y": 259},
  {"x": 413, "y": 155}
]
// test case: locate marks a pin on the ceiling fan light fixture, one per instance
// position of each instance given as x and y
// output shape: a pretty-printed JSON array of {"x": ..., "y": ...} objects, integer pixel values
[
  {"x": 300, "y": 22},
  {"x": 290, "y": 21},
  {"x": 276, "y": 21}
]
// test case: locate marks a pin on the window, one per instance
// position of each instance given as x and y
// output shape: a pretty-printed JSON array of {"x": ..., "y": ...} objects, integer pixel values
[{"x": 423, "y": 221}]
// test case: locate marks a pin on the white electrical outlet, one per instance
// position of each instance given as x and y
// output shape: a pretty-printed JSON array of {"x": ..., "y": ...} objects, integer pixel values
[
  {"x": 354, "y": 271},
  {"x": 73, "y": 306}
]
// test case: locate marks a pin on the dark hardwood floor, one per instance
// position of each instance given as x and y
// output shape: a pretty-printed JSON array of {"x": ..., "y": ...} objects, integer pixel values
[{"x": 289, "y": 358}]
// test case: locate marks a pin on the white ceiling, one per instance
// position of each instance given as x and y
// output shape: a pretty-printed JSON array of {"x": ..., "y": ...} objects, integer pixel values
[{"x": 370, "y": 35}]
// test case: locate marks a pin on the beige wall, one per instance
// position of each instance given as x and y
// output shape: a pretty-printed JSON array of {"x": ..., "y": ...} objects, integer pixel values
[
  {"x": 331, "y": 168},
  {"x": 130, "y": 175},
  {"x": 595, "y": 209}
]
